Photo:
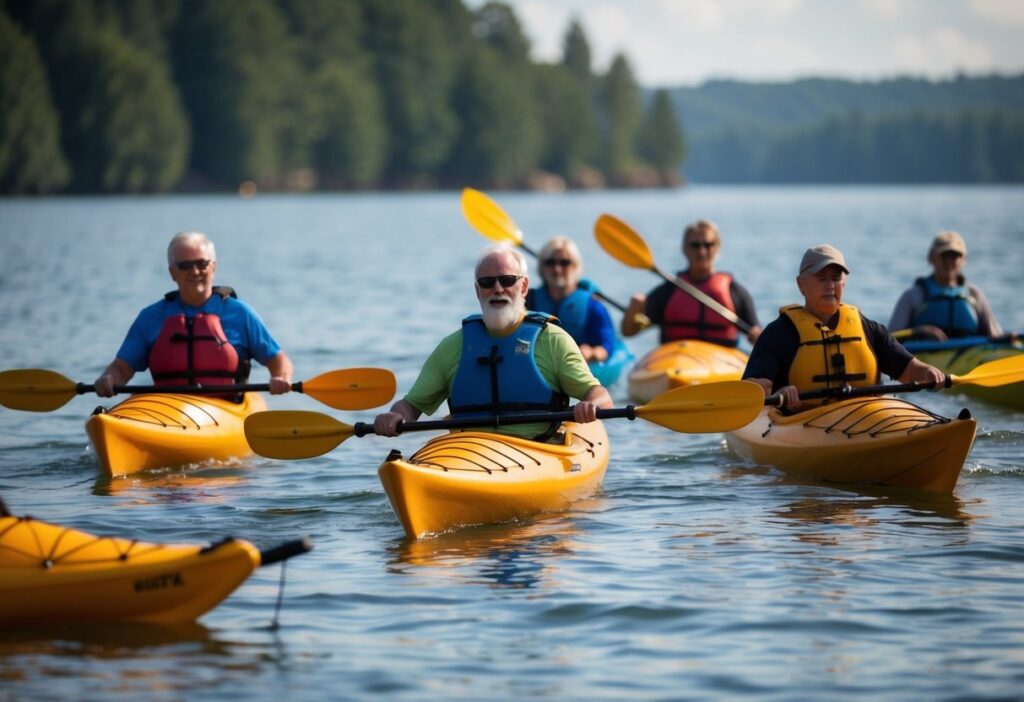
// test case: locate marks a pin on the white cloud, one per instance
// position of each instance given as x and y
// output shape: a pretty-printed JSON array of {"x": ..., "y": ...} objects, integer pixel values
[
  {"x": 999, "y": 11},
  {"x": 885, "y": 9},
  {"x": 942, "y": 52}
]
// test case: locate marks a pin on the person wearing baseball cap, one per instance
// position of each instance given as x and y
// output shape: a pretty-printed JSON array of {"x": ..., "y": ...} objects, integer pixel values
[
  {"x": 943, "y": 304},
  {"x": 825, "y": 344}
]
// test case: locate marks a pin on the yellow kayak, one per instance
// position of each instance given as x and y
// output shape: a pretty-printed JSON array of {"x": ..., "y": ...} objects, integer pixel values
[
  {"x": 960, "y": 356},
  {"x": 51, "y": 574},
  {"x": 472, "y": 477},
  {"x": 158, "y": 430},
  {"x": 679, "y": 363},
  {"x": 869, "y": 440}
]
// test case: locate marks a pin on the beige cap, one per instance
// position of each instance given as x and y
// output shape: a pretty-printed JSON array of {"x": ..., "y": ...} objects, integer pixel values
[
  {"x": 818, "y": 257},
  {"x": 948, "y": 241}
]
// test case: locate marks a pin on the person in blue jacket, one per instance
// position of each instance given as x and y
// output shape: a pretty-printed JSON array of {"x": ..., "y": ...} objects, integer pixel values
[
  {"x": 567, "y": 296},
  {"x": 944, "y": 305},
  {"x": 197, "y": 334}
]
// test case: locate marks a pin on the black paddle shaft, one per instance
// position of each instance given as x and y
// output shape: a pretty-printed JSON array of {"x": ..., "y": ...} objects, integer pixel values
[
  {"x": 850, "y": 391},
  {"x": 82, "y": 388},
  {"x": 628, "y": 412},
  {"x": 283, "y": 552}
]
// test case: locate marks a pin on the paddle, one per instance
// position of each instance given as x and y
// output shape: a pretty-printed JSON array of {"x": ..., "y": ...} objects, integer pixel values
[
  {"x": 988, "y": 375},
  {"x": 488, "y": 218},
  {"x": 624, "y": 244},
  {"x": 693, "y": 409},
  {"x": 38, "y": 390}
]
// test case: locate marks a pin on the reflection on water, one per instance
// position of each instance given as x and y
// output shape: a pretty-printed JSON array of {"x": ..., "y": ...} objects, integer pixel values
[
  {"x": 514, "y": 556},
  {"x": 200, "y": 484}
]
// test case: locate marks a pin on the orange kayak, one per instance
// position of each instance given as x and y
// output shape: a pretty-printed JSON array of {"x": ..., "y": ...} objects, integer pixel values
[
  {"x": 868, "y": 440},
  {"x": 471, "y": 477},
  {"x": 679, "y": 363},
  {"x": 160, "y": 430}
]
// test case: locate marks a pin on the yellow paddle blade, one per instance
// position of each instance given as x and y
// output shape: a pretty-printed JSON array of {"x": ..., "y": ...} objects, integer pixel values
[
  {"x": 352, "y": 388},
  {"x": 487, "y": 217},
  {"x": 35, "y": 389},
  {"x": 294, "y": 433},
  {"x": 994, "y": 373},
  {"x": 706, "y": 409},
  {"x": 622, "y": 242}
]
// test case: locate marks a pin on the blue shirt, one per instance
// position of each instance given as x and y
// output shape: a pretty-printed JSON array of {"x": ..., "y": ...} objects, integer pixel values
[{"x": 242, "y": 326}]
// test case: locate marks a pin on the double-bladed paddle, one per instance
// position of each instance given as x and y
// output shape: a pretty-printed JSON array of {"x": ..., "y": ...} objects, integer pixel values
[
  {"x": 625, "y": 245},
  {"x": 488, "y": 218},
  {"x": 39, "y": 390},
  {"x": 694, "y": 409},
  {"x": 988, "y": 375}
]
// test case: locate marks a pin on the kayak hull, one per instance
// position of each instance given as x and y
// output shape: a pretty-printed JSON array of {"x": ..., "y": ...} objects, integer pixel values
[
  {"x": 50, "y": 574},
  {"x": 610, "y": 370},
  {"x": 873, "y": 440},
  {"x": 466, "y": 478},
  {"x": 162, "y": 430},
  {"x": 956, "y": 358},
  {"x": 680, "y": 363}
]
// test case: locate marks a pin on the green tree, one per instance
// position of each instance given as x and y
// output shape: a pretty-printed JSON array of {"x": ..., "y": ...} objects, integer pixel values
[
  {"x": 124, "y": 130},
  {"x": 415, "y": 64},
  {"x": 352, "y": 149},
  {"x": 236, "y": 65},
  {"x": 620, "y": 115},
  {"x": 31, "y": 160},
  {"x": 499, "y": 140},
  {"x": 567, "y": 118},
  {"x": 661, "y": 140},
  {"x": 576, "y": 52}
]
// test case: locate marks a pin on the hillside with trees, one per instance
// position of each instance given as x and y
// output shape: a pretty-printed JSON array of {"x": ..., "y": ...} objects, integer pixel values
[
  {"x": 130, "y": 96},
  {"x": 965, "y": 130}
]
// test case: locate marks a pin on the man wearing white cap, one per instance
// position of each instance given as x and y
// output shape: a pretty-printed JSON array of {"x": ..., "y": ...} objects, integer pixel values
[
  {"x": 944, "y": 305},
  {"x": 824, "y": 344}
]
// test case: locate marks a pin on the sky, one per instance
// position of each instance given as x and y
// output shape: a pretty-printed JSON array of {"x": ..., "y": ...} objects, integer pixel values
[{"x": 687, "y": 42}]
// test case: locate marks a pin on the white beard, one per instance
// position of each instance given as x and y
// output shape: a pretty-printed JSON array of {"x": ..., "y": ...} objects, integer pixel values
[{"x": 500, "y": 318}]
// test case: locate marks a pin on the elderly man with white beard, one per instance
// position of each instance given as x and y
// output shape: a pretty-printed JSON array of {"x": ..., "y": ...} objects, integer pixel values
[{"x": 503, "y": 361}]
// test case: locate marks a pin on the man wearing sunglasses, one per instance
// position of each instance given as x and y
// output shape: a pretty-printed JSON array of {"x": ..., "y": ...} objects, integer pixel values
[
  {"x": 199, "y": 334},
  {"x": 944, "y": 304},
  {"x": 682, "y": 316},
  {"x": 502, "y": 361}
]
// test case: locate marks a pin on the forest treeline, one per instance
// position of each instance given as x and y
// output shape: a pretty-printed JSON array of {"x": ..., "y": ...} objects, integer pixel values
[
  {"x": 903, "y": 130},
  {"x": 157, "y": 95}
]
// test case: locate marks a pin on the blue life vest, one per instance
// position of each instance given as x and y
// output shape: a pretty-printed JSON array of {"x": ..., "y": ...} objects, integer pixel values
[
  {"x": 949, "y": 308},
  {"x": 571, "y": 310},
  {"x": 500, "y": 375}
]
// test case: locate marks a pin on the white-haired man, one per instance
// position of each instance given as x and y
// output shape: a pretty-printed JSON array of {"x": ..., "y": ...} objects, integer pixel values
[
  {"x": 197, "y": 334},
  {"x": 502, "y": 361}
]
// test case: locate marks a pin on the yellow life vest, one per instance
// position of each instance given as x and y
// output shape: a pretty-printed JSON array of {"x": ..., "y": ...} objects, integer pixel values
[{"x": 831, "y": 358}]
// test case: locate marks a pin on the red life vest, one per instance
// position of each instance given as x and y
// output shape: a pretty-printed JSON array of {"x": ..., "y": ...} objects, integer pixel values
[
  {"x": 193, "y": 351},
  {"x": 686, "y": 318}
]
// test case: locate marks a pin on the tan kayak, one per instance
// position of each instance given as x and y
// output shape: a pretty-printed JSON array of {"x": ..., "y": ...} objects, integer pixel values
[{"x": 869, "y": 440}]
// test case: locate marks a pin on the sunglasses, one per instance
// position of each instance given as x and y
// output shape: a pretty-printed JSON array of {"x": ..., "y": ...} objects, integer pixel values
[
  {"x": 201, "y": 263},
  {"x": 702, "y": 244},
  {"x": 506, "y": 281},
  {"x": 563, "y": 262}
]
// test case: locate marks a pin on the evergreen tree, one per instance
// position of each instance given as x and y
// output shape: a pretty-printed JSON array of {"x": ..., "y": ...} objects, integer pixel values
[
  {"x": 499, "y": 139},
  {"x": 576, "y": 53},
  {"x": 661, "y": 141},
  {"x": 31, "y": 160},
  {"x": 567, "y": 118},
  {"x": 621, "y": 115},
  {"x": 415, "y": 64},
  {"x": 124, "y": 129},
  {"x": 352, "y": 148},
  {"x": 236, "y": 65}
]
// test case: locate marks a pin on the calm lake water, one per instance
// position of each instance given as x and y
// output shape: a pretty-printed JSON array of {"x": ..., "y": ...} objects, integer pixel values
[{"x": 690, "y": 576}]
